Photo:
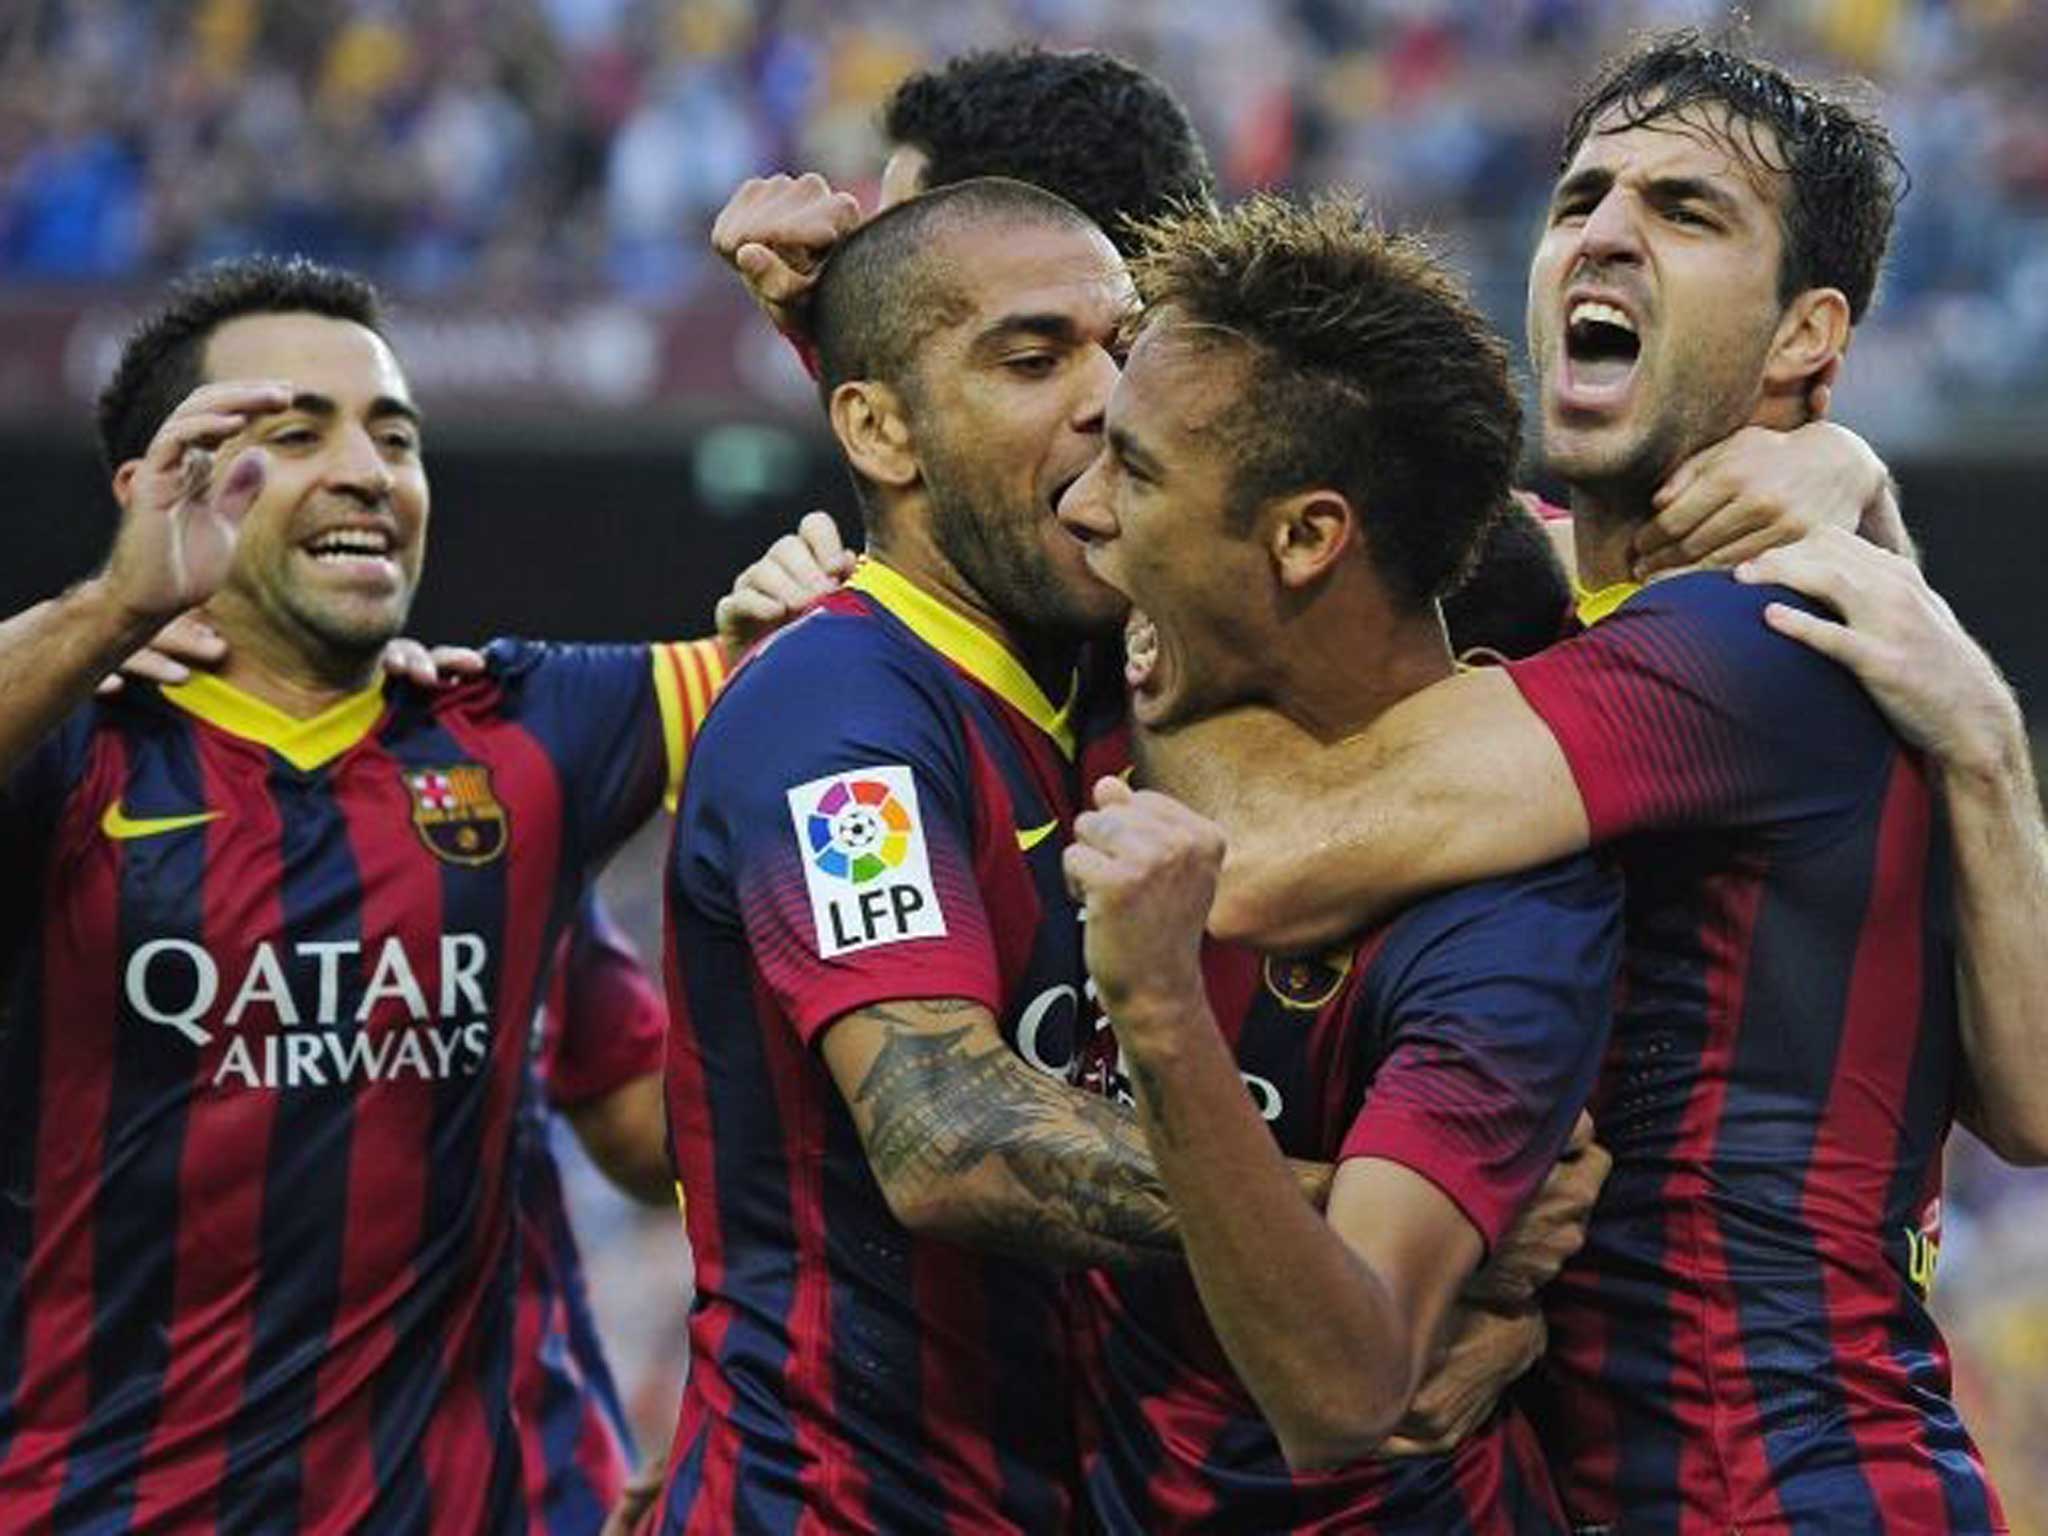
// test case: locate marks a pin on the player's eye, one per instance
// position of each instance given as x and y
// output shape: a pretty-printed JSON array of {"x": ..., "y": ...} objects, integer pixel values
[
  {"x": 294, "y": 437},
  {"x": 1032, "y": 365}
]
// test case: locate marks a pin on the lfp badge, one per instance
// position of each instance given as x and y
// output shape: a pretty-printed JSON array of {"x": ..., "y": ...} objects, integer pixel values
[{"x": 865, "y": 865}]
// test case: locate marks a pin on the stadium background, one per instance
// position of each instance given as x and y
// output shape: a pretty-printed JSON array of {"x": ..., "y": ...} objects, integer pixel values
[{"x": 613, "y": 432}]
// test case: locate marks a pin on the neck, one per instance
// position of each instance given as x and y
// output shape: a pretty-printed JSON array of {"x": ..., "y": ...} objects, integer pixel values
[
  {"x": 1340, "y": 673},
  {"x": 1604, "y": 526},
  {"x": 913, "y": 555},
  {"x": 267, "y": 663}
]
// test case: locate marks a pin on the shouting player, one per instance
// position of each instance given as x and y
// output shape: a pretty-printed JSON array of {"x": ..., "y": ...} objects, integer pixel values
[
  {"x": 1299, "y": 552},
  {"x": 1744, "y": 1342},
  {"x": 272, "y": 944}
]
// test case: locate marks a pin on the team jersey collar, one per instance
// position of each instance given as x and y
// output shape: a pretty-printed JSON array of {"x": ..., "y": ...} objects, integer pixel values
[
  {"x": 1594, "y": 605},
  {"x": 305, "y": 744},
  {"x": 970, "y": 648}
]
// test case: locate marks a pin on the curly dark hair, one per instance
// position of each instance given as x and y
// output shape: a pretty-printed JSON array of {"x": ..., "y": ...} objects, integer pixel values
[
  {"x": 162, "y": 360},
  {"x": 1100, "y": 133},
  {"x": 1844, "y": 175},
  {"x": 1371, "y": 373}
]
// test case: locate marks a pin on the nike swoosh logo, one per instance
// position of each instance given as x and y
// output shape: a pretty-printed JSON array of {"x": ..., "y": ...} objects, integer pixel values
[
  {"x": 1029, "y": 838},
  {"x": 121, "y": 827}
]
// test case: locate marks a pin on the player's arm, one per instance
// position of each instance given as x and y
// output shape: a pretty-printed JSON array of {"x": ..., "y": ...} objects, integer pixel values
[
  {"x": 1456, "y": 783},
  {"x": 971, "y": 1144},
  {"x": 1329, "y": 1323},
  {"x": 1333, "y": 1323},
  {"x": 181, "y": 512},
  {"x": 775, "y": 232},
  {"x": 1942, "y": 693},
  {"x": 626, "y": 1134}
]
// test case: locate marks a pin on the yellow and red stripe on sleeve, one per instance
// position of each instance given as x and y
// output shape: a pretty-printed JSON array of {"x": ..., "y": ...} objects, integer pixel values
[{"x": 687, "y": 676}]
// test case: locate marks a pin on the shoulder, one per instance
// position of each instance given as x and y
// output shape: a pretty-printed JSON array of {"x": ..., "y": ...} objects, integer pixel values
[
  {"x": 840, "y": 660},
  {"x": 1526, "y": 921},
  {"x": 1713, "y": 606}
]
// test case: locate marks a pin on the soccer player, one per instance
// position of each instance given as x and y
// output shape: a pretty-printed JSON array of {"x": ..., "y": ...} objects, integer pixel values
[
  {"x": 272, "y": 942},
  {"x": 1744, "y": 1341},
  {"x": 596, "y": 1064},
  {"x": 875, "y": 979},
  {"x": 1297, "y": 555}
]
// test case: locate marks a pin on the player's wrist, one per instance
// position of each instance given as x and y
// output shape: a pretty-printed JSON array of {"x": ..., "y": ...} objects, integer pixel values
[
  {"x": 1157, "y": 1023},
  {"x": 1988, "y": 760},
  {"x": 118, "y": 616}
]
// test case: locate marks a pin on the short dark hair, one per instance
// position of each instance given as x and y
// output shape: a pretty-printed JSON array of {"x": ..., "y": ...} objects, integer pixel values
[
  {"x": 1372, "y": 374},
  {"x": 164, "y": 357},
  {"x": 1844, "y": 177},
  {"x": 1514, "y": 600},
  {"x": 1101, "y": 133},
  {"x": 890, "y": 284}
]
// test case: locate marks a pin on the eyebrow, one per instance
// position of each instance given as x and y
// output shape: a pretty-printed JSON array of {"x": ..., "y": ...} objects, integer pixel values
[
  {"x": 307, "y": 403},
  {"x": 1590, "y": 182},
  {"x": 1052, "y": 327},
  {"x": 1691, "y": 189},
  {"x": 1595, "y": 180}
]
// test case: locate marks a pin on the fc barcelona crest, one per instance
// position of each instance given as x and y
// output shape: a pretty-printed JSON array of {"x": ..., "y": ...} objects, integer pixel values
[
  {"x": 455, "y": 813},
  {"x": 1307, "y": 982}
]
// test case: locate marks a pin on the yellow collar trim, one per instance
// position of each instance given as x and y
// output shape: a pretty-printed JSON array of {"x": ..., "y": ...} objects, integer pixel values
[
  {"x": 305, "y": 744},
  {"x": 971, "y": 648},
  {"x": 1592, "y": 606}
]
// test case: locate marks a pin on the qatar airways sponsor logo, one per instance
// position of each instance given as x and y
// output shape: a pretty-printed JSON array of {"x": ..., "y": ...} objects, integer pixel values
[
  {"x": 1052, "y": 1036},
  {"x": 303, "y": 1034}
]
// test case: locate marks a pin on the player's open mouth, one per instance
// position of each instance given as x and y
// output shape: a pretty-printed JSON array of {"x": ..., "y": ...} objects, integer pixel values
[
  {"x": 1141, "y": 651},
  {"x": 1602, "y": 344},
  {"x": 355, "y": 551}
]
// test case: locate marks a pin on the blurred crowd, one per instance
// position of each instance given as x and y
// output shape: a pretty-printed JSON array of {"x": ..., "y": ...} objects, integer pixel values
[{"x": 525, "y": 150}]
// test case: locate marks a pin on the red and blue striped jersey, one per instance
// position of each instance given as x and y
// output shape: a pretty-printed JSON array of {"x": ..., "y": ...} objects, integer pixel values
[
  {"x": 1461, "y": 1041},
  {"x": 1744, "y": 1342},
  {"x": 601, "y": 1028},
  {"x": 270, "y": 984},
  {"x": 871, "y": 814}
]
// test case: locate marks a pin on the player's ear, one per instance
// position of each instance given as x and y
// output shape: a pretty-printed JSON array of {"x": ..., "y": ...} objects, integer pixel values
[
  {"x": 869, "y": 421},
  {"x": 1812, "y": 335},
  {"x": 1307, "y": 534},
  {"x": 124, "y": 481}
]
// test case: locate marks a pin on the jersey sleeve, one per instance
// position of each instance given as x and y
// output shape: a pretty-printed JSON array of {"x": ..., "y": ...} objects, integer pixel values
[
  {"x": 619, "y": 721},
  {"x": 1683, "y": 709},
  {"x": 607, "y": 1021},
  {"x": 830, "y": 816},
  {"x": 1495, "y": 1003}
]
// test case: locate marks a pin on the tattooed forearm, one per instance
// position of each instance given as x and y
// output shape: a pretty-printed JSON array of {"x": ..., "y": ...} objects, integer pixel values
[{"x": 1033, "y": 1166}]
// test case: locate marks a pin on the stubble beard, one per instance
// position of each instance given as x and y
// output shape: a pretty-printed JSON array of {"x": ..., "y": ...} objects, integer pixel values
[{"x": 991, "y": 544}]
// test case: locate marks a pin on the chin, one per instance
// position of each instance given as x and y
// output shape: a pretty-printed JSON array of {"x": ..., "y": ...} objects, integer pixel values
[{"x": 357, "y": 633}]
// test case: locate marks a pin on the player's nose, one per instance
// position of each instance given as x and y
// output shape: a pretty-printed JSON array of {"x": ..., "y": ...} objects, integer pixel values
[{"x": 1084, "y": 510}]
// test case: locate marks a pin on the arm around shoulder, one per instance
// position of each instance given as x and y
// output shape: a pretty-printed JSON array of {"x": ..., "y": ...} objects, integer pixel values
[{"x": 1459, "y": 782}]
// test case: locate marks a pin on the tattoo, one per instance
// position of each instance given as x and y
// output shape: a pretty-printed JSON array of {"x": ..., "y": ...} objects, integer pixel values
[{"x": 1047, "y": 1171}]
